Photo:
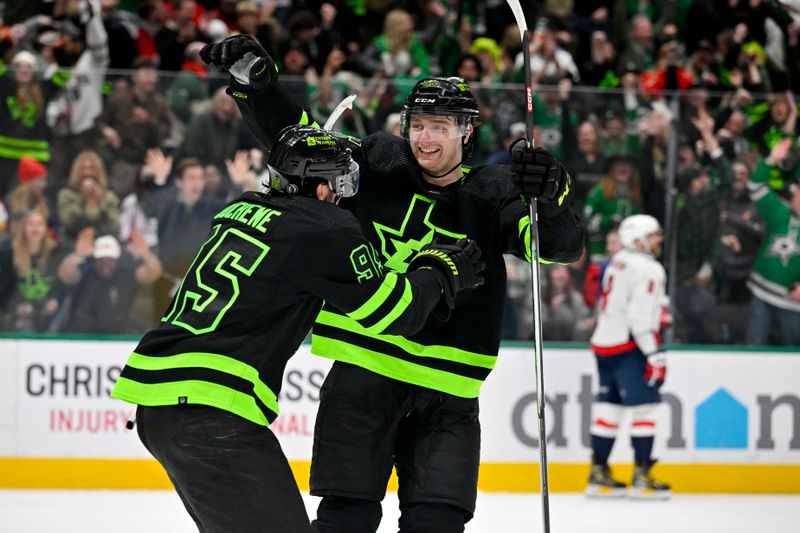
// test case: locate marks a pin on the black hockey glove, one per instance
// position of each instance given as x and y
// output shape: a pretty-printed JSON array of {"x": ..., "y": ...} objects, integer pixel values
[
  {"x": 535, "y": 172},
  {"x": 256, "y": 69},
  {"x": 459, "y": 263}
]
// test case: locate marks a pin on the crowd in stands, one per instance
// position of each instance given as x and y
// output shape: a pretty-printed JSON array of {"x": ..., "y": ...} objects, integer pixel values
[{"x": 118, "y": 145}]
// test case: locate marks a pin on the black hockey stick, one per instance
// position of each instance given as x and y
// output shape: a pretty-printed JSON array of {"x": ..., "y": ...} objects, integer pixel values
[{"x": 516, "y": 8}]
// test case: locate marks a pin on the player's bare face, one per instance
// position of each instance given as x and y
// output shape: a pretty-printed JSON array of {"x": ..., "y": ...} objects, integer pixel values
[
  {"x": 656, "y": 242},
  {"x": 436, "y": 144}
]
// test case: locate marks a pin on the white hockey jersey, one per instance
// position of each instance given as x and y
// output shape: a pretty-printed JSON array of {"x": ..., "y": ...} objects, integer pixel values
[
  {"x": 630, "y": 307},
  {"x": 80, "y": 101}
]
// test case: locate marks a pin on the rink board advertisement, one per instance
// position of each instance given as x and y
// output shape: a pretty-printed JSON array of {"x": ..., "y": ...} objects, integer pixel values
[{"x": 730, "y": 420}]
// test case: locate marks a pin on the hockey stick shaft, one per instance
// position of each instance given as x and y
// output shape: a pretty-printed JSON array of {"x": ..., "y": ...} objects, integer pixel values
[{"x": 535, "y": 282}]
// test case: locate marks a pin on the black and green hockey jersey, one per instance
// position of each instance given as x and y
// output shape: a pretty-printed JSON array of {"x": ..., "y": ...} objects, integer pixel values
[
  {"x": 399, "y": 213},
  {"x": 249, "y": 298}
]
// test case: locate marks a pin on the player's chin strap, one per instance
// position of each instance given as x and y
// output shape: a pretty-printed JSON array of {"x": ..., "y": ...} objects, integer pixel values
[
  {"x": 452, "y": 169},
  {"x": 646, "y": 248},
  {"x": 446, "y": 173}
]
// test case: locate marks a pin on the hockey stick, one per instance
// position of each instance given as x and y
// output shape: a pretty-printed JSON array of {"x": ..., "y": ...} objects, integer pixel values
[
  {"x": 347, "y": 103},
  {"x": 516, "y": 8}
]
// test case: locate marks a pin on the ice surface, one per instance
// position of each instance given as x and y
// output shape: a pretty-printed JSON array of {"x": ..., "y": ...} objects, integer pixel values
[{"x": 45, "y": 511}]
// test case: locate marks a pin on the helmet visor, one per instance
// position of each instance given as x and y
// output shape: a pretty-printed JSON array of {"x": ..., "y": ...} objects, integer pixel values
[
  {"x": 343, "y": 184},
  {"x": 346, "y": 185},
  {"x": 422, "y": 126}
]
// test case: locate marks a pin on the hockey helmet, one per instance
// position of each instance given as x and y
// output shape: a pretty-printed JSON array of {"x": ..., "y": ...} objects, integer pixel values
[
  {"x": 304, "y": 156},
  {"x": 442, "y": 96},
  {"x": 638, "y": 227}
]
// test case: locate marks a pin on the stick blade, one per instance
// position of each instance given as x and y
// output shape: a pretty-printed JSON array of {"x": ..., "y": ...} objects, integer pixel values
[
  {"x": 519, "y": 15},
  {"x": 347, "y": 103}
]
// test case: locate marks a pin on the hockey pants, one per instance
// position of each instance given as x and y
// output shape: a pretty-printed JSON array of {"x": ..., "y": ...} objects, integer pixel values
[
  {"x": 231, "y": 474},
  {"x": 368, "y": 424}
]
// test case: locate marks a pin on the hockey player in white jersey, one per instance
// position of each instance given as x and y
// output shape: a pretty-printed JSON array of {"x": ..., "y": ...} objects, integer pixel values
[{"x": 631, "y": 365}]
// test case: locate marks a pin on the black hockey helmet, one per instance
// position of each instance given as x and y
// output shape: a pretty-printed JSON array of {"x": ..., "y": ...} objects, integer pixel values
[
  {"x": 442, "y": 96},
  {"x": 304, "y": 156}
]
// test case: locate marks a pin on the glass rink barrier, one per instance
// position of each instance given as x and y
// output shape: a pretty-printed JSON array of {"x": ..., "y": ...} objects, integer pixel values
[{"x": 731, "y": 253}]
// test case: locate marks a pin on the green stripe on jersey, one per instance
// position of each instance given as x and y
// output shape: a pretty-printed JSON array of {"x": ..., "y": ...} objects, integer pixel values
[
  {"x": 220, "y": 363},
  {"x": 524, "y": 231},
  {"x": 196, "y": 392},
  {"x": 447, "y": 353},
  {"x": 396, "y": 368},
  {"x": 386, "y": 289},
  {"x": 377, "y": 299},
  {"x": 397, "y": 310}
]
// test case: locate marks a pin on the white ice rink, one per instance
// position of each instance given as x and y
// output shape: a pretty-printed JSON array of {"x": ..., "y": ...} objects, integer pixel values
[{"x": 39, "y": 511}]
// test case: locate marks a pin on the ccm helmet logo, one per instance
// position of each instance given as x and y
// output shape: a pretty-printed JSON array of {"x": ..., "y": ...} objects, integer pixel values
[{"x": 424, "y": 100}]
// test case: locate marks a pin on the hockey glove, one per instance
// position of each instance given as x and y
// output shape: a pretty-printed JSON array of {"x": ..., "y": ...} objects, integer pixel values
[
  {"x": 245, "y": 59},
  {"x": 656, "y": 369},
  {"x": 536, "y": 173},
  {"x": 459, "y": 263},
  {"x": 665, "y": 318}
]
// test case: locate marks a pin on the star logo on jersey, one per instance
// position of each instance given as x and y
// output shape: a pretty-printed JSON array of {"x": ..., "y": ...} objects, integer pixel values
[
  {"x": 785, "y": 247},
  {"x": 399, "y": 245}
]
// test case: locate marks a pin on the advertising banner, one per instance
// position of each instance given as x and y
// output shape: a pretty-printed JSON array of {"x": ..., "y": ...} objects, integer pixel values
[{"x": 719, "y": 407}]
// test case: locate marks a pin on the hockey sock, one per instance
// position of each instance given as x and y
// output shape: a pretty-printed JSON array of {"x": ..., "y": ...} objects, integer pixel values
[
  {"x": 601, "y": 449},
  {"x": 605, "y": 425},
  {"x": 642, "y": 449},
  {"x": 338, "y": 513},
  {"x": 429, "y": 516},
  {"x": 643, "y": 432}
]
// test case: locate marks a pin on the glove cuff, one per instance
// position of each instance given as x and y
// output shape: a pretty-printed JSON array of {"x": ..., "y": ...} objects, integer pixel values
[
  {"x": 263, "y": 75},
  {"x": 438, "y": 262}
]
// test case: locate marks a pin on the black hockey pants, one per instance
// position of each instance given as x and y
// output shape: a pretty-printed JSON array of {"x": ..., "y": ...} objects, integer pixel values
[
  {"x": 231, "y": 474},
  {"x": 367, "y": 424}
]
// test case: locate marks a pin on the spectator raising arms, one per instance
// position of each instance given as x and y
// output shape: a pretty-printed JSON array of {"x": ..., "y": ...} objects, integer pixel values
[
  {"x": 134, "y": 119},
  {"x": 104, "y": 281},
  {"x": 775, "y": 280},
  {"x": 698, "y": 219},
  {"x": 72, "y": 113},
  {"x": 182, "y": 211}
]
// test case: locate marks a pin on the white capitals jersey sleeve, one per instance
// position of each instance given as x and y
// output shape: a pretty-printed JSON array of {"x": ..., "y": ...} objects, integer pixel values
[{"x": 630, "y": 305}]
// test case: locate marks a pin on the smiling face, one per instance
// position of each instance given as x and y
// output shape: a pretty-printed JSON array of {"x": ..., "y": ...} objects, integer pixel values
[
  {"x": 35, "y": 228},
  {"x": 88, "y": 169},
  {"x": 23, "y": 72},
  {"x": 436, "y": 144},
  {"x": 191, "y": 182}
]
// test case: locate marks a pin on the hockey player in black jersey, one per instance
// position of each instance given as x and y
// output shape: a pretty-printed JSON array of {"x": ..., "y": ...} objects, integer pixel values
[
  {"x": 411, "y": 402},
  {"x": 207, "y": 380}
]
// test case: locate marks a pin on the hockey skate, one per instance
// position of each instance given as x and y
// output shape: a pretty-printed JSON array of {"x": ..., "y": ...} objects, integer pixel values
[
  {"x": 602, "y": 485},
  {"x": 644, "y": 487}
]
